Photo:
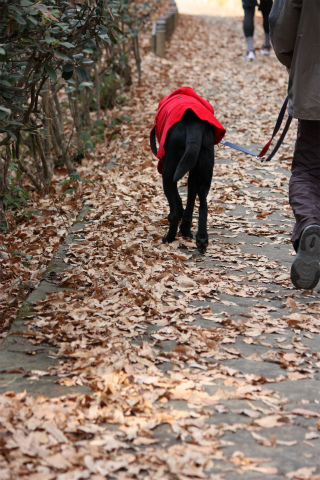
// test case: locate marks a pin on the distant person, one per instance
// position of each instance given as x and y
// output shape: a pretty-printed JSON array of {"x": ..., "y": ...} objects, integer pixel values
[
  {"x": 295, "y": 35},
  {"x": 249, "y": 7}
]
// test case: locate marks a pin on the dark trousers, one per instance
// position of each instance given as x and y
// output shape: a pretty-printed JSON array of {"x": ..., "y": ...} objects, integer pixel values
[
  {"x": 248, "y": 19},
  {"x": 304, "y": 185}
]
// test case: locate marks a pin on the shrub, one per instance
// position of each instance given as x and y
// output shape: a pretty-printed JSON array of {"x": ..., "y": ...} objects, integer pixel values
[{"x": 53, "y": 55}]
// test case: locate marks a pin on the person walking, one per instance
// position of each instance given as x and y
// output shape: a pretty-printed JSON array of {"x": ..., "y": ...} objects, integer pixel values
[
  {"x": 249, "y": 7},
  {"x": 295, "y": 36}
]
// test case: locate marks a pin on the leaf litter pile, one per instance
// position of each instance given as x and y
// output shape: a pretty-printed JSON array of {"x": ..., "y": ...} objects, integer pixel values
[{"x": 200, "y": 367}]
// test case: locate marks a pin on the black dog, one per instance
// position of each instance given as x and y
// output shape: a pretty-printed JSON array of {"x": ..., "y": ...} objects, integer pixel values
[{"x": 189, "y": 147}]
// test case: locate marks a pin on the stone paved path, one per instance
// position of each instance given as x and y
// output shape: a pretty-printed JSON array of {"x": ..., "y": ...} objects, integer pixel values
[{"x": 267, "y": 412}]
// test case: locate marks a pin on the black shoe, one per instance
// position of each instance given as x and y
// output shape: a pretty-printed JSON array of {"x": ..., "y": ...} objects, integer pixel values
[{"x": 305, "y": 270}]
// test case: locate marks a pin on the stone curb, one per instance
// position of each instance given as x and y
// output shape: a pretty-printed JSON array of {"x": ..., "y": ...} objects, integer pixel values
[
  {"x": 162, "y": 29},
  {"x": 19, "y": 357}
]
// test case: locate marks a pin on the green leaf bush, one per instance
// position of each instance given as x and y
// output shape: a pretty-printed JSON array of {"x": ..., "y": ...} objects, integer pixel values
[{"x": 53, "y": 50}]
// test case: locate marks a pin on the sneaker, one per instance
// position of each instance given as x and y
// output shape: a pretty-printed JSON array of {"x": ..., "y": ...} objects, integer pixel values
[
  {"x": 250, "y": 55},
  {"x": 265, "y": 51},
  {"x": 305, "y": 270}
]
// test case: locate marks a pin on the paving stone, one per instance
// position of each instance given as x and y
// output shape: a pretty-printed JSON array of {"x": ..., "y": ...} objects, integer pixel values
[
  {"x": 267, "y": 370},
  {"x": 296, "y": 392},
  {"x": 46, "y": 386}
]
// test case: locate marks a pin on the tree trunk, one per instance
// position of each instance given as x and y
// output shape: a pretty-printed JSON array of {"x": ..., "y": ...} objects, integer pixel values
[
  {"x": 30, "y": 175},
  {"x": 46, "y": 170},
  {"x": 74, "y": 107},
  {"x": 136, "y": 51},
  {"x": 4, "y": 167},
  {"x": 97, "y": 87},
  {"x": 85, "y": 108},
  {"x": 55, "y": 144},
  {"x": 31, "y": 142},
  {"x": 56, "y": 114},
  {"x": 48, "y": 167}
]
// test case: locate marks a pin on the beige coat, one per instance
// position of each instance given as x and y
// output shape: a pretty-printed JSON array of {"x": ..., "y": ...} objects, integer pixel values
[{"x": 295, "y": 36}]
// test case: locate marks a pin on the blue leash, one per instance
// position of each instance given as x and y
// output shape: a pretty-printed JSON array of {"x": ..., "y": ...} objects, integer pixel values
[{"x": 266, "y": 147}]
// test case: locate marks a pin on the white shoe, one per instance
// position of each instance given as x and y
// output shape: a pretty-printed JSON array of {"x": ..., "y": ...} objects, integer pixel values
[
  {"x": 250, "y": 55},
  {"x": 265, "y": 51}
]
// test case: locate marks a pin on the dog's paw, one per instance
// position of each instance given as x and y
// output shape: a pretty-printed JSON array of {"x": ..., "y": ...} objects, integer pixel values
[
  {"x": 168, "y": 239},
  {"x": 186, "y": 232},
  {"x": 202, "y": 244}
]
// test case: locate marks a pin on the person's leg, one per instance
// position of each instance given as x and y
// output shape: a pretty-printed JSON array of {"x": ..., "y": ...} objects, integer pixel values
[
  {"x": 265, "y": 8},
  {"x": 248, "y": 28},
  {"x": 304, "y": 198},
  {"x": 304, "y": 185}
]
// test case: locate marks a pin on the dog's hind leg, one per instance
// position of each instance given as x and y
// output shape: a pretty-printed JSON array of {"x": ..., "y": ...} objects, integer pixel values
[
  {"x": 174, "y": 151},
  {"x": 185, "y": 227},
  {"x": 203, "y": 173},
  {"x": 175, "y": 204},
  {"x": 202, "y": 234}
]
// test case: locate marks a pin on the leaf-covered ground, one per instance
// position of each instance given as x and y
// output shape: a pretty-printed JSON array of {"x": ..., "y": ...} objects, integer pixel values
[{"x": 198, "y": 366}]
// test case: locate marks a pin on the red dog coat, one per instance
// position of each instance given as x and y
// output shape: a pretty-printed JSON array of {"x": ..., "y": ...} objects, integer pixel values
[{"x": 170, "y": 111}]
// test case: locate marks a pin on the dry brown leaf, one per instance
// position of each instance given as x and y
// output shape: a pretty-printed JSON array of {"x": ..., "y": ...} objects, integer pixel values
[
  {"x": 271, "y": 421},
  {"x": 304, "y": 473}
]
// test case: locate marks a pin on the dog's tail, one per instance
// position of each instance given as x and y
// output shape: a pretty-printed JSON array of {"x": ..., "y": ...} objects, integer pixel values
[{"x": 191, "y": 153}]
